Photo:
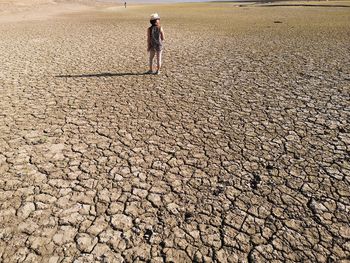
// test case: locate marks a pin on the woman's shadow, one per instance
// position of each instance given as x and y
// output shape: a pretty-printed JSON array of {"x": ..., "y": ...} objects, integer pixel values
[{"x": 104, "y": 74}]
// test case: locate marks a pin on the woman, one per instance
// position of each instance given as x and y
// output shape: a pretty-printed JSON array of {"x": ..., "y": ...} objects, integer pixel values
[{"x": 155, "y": 38}]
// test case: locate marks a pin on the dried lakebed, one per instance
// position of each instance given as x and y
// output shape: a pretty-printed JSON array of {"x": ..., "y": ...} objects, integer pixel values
[{"x": 238, "y": 152}]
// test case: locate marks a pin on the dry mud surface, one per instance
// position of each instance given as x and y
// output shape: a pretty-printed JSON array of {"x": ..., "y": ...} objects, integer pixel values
[{"x": 238, "y": 152}]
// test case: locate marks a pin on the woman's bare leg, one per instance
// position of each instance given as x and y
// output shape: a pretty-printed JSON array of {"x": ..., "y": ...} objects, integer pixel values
[
  {"x": 151, "y": 57},
  {"x": 159, "y": 59}
]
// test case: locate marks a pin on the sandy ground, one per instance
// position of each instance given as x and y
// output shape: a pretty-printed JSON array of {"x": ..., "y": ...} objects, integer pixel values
[{"x": 238, "y": 152}]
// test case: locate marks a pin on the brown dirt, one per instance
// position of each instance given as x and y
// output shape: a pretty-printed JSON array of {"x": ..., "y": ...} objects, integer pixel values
[{"x": 237, "y": 152}]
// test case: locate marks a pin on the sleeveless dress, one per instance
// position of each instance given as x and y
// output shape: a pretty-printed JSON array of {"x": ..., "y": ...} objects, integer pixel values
[{"x": 156, "y": 41}]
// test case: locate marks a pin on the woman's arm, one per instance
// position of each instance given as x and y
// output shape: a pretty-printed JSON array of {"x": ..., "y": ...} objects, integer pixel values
[
  {"x": 162, "y": 34},
  {"x": 148, "y": 39}
]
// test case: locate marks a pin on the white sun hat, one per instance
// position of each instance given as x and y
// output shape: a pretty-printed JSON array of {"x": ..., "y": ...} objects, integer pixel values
[{"x": 154, "y": 16}]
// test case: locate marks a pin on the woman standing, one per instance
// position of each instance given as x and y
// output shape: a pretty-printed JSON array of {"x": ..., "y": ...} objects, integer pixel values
[{"x": 155, "y": 38}]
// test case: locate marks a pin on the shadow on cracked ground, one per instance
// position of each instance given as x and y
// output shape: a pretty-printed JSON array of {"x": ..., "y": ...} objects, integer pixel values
[{"x": 105, "y": 74}]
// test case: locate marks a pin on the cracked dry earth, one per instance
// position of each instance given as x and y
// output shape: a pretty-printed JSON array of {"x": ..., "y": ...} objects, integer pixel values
[{"x": 238, "y": 152}]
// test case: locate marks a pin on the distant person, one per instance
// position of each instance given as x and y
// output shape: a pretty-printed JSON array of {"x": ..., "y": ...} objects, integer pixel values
[
  {"x": 125, "y": 4},
  {"x": 155, "y": 38}
]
